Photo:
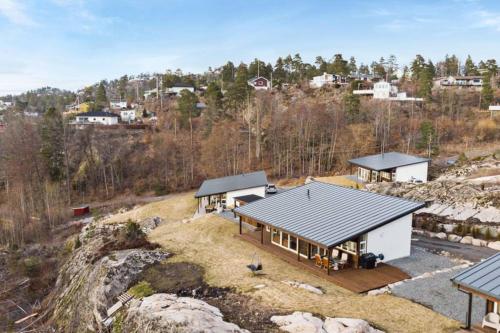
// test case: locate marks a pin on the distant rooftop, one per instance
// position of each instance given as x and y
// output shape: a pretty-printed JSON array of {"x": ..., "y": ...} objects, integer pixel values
[
  {"x": 96, "y": 114},
  {"x": 387, "y": 161},
  {"x": 483, "y": 277},
  {"x": 232, "y": 183}
]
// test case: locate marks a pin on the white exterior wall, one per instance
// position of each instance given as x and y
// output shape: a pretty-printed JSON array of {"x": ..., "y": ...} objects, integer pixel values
[
  {"x": 177, "y": 90},
  {"x": 98, "y": 120},
  {"x": 393, "y": 240},
  {"x": 127, "y": 115},
  {"x": 260, "y": 191},
  {"x": 417, "y": 171}
]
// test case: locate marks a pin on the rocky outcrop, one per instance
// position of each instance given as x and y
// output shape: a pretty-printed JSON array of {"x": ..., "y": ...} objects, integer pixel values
[
  {"x": 457, "y": 195},
  {"x": 494, "y": 245},
  {"x": 169, "y": 313},
  {"x": 92, "y": 278},
  {"x": 305, "y": 322},
  {"x": 454, "y": 238}
]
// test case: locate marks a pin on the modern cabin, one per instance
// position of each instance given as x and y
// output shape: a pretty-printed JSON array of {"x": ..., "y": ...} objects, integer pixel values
[
  {"x": 391, "y": 167},
  {"x": 97, "y": 117},
  {"x": 319, "y": 220},
  {"x": 482, "y": 280},
  {"x": 216, "y": 193}
]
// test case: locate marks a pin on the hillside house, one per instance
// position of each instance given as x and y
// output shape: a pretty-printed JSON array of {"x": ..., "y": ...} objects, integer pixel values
[
  {"x": 386, "y": 91},
  {"x": 96, "y": 117},
  {"x": 471, "y": 81},
  {"x": 177, "y": 88},
  {"x": 127, "y": 116},
  {"x": 334, "y": 226},
  {"x": 482, "y": 280},
  {"x": 391, "y": 167},
  {"x": 260, "y": 83},
  {"x": 118, "y": 105},
  {"x": 326, "y": 79},
  {"x": 151, "y": 92},
  {"x": 216, "y": 193}
]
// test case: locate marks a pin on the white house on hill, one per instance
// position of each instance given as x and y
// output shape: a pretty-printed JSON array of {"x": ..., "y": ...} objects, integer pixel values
[
  {"x": 97, "y": 117},
  {"x": 179, "y": 87},
  {"x": 386, "y": 91},
  {"x": 127, "y": 115},
  {"x": 391, "y": 167}
]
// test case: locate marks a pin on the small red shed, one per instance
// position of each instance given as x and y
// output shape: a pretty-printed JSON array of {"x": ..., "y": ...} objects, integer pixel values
[{"x": 80, "y": 211}]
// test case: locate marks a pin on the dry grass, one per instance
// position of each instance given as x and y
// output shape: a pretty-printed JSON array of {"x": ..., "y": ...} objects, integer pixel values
[
  {"x": 175, "y": 207},
  {"x": 339, "y": 180},
  {"x": 210, "y": 242}
]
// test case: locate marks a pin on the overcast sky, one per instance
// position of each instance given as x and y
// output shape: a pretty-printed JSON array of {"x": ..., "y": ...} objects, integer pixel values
[{"x": 72, "y": 43}]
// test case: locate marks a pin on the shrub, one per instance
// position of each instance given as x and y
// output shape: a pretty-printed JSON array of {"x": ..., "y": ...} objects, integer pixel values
[
  {"x": 141, "y": 289},
  {"x": 160, "y": 189},
  {"x": 133, "y": 230},
  {"x": 78, "y": 242},
  {"x": 458, "y": 229},
  {"x": 476, "y": 232},
  {"x": 487, "y": 234},
  {"x": 31, "y": 266}
]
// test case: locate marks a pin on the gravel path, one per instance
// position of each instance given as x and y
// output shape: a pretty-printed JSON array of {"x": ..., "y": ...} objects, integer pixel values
[{"x": 437, "y": 292}]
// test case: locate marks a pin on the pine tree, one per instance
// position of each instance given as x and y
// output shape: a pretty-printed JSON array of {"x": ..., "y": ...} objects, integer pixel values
[
  {"x": 486, "y": 92},
  {"x": 52, "y": 147},
  {"x": 469, "y": 67},
  {"x": 101, "y": 99}
]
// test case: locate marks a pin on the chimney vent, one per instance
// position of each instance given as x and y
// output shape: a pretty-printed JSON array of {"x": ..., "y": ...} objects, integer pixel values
[{"x": 309, "y": 193}]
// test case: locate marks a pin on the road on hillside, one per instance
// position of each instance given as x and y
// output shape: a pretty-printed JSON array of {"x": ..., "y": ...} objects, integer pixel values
[{"x": 463, "y": 251}]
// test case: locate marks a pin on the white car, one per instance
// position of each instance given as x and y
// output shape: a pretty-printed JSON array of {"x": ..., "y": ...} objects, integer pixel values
[{"x": 271, "y": 189}]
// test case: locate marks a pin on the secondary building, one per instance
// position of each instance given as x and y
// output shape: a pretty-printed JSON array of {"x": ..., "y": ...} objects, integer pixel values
[
  {"x": 344, "y": 226},
  {"x": 97, "y": 117},
  {"x": 391, "y": 167},
  {"x": 127, "y": 116},
  {"x": 482, "y": 280},
  {"x": 220, "y": 193}
]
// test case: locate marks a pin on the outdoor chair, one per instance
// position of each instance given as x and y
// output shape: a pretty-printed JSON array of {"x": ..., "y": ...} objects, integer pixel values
[
  {"x": 317, "y": 260},
  {"x": 492, "y": 320},
  {"x": 325, "y": 262}
]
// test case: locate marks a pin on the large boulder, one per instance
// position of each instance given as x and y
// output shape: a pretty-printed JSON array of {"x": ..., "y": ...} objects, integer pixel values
[
  {"x": 466, "y": 240},
  {"x": 454, "y": 238},
  {"x": 170, "y": 313},
  {"x": 332, "y": 325},
  {"x": 479, "y": 242},
  {"x": 440, "y": 235},
  {"x": 356, "y": 326},
  {"x": 299, "y": 322},
  {"x": 494, "y": 245}
]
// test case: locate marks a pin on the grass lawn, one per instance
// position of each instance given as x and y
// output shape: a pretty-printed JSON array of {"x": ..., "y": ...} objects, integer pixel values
[{"x": 210, "y": 242}]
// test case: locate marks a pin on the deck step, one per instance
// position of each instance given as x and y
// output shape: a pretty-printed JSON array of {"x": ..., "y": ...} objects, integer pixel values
[{"x": 125, "y": 297}]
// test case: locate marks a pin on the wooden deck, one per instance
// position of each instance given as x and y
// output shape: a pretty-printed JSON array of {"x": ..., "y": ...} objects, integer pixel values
[{"x": 356, "y": 280}]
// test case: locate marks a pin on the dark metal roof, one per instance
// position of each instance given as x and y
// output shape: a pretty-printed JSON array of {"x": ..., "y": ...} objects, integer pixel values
[
  {"x": 232, "y": 183},
  {"x": 249, "y": 198},
  {"x": 97, "y": 114},
  {"x": 483, "y": 277},
  {"x": 387, "y": 161},
  {"x": 328, "y": 214}
]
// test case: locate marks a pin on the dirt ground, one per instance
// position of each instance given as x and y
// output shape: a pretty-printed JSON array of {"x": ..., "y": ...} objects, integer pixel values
[{"x": 210, "y": 242}]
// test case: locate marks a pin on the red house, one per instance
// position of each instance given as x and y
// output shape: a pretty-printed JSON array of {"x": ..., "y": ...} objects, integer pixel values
[{"x": 260, "y": 83}]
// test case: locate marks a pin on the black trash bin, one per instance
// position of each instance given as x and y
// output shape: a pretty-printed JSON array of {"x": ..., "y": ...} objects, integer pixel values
[{"x": 368, "y": 261}]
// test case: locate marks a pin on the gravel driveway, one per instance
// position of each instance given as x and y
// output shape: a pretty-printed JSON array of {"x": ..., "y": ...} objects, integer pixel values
[{"x": 437, "y": 291}]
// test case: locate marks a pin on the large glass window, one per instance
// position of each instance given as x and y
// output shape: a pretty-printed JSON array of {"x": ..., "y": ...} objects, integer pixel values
[
  {"x": 284, "y": 239},
  {"x": 276, "y": 236},
  {"x": 293, "y": 243}
]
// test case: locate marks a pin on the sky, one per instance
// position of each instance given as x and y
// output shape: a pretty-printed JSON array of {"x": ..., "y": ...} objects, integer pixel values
[{"x": 69, "y": 44}]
